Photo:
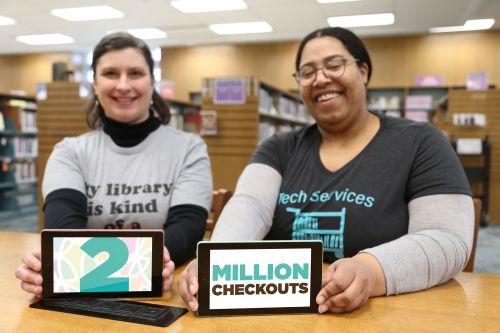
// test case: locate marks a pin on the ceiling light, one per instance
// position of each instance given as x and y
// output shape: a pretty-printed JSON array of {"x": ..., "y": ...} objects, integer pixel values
[
  {"x": 87, "y": 13},
  {"x": 6, "y": 20},
  {"x": 478, "y": 24},
  {"x": 361, "y": 20},
  {"x": 470, "y": 25},
  {"x": 332, "y": 1},
  {"x": 203, "y": 6},
  {"x": 45, "y": 39},
  {"x": 453, "y": 28},
  {"x": 241, "y": 28},
  {"x": 147, "y": 33}
]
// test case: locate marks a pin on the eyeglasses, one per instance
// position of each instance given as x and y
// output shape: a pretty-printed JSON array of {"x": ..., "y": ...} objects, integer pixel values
[{"x": 333, "y": 68}]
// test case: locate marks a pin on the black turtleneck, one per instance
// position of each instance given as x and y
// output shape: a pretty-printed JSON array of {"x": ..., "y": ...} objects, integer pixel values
[
  {"x": 125, "y": 135},
  {"x": 185, "y": 225}
]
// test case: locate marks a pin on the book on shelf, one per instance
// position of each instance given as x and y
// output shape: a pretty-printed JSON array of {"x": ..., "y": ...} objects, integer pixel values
[
  {"x": 25, "y": 171},
  {"x": 176, "y": 119},
  {"x": 266, "y": 130},
  {"x": 265, "y": 101},
  {"x": 192, "y": 122},
  {"x": 25, "y": 147},
  {"x": 2, "y": 122},
  {"x": 384, "y": 103},
  {"x": 208, "y": 122},
  {"x": 422, "y": 116},
  {"x": 419, "y": 102},
  {"x": 20, "y": 119},
  {"x": 287, "y": 107}
]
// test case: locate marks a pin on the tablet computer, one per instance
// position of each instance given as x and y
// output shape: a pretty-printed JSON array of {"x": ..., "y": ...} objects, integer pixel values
[
  {"x": 263, "y": 277},
  {"x": 102, "y": 263}
]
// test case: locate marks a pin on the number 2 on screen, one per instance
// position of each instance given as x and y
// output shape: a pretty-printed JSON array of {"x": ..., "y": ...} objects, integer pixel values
[{"x": 98, "y": 280}]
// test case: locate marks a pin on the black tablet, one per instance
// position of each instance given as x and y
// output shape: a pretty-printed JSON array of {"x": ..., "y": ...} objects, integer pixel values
[
  {"x": 264, "y": 277},
  {"x": 102, "y": 263}
]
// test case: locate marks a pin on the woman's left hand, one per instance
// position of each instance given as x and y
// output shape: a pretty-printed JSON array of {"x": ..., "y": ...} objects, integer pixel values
[
  {"x": 348, "y": 283},
  {"x": 168, "y": 270}
]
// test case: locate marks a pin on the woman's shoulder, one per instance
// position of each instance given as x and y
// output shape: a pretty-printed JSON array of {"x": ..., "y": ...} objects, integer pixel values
[
  {"x": 79, "y": 140},
  {"x": 294, "y": 137},
  {"x": 177, "y": 136}
]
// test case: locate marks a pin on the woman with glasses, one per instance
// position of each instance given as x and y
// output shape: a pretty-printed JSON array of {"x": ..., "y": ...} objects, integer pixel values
[
  {"x": 131, "y": 171},
  {"x": 387, "y": 196}
]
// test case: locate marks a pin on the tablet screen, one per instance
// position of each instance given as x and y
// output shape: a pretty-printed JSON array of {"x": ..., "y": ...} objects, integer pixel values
[
  {"x": 259, "y": 277},
  {"x": 100, "y": 263}
]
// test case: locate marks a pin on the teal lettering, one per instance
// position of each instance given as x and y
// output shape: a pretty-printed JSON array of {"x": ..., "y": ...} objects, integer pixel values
[
  {"x": 325, "y": 197},
  {"x": 302, "y": 270},
  {"x": 315, "y": 196},
  {"x": 284, "y": 198},
  {"x": 243, "y": 275},
  {"x": 278, "y": 269},
  {"x": 256, "y": 272},
  {"x": 302, "y": 197},
  {"x": 235, "y": 272},
  {"x": 224, "y": 272},
  {"x": 351, "y": 196},
  {"x": 360, "y": 198},
  {"x": 369, "y": 202}
]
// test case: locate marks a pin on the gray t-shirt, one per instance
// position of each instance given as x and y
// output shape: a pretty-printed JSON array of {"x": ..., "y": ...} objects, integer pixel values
[
  {"x": 365, "y": 203},
  {"x": 132, "y": 187}
]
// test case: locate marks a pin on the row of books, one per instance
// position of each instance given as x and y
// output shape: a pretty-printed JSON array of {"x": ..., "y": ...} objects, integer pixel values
[
  {"x": 384, "y": 103},
  {"x": 25, "y": 171},
  {"x": 202, "y": 122},
  {"x": 281, "y": 105},
  {"x": 267, "y": 129},
  {"x": 417, "y": 115},
  {"x": 412, "y": 102},
  {"x": 18, "y": 119},
  {"x": 24, "y": 147}
]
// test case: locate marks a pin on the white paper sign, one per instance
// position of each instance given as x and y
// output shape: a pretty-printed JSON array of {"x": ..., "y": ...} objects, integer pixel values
[
  {"x": 469, "y": 146},
  {"x": 260, "y": 278}
]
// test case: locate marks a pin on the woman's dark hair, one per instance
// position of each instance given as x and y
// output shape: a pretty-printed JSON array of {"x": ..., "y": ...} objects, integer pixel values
[
  {"x": 120, "y": 41},
  {"x": 350, "y": 41}
]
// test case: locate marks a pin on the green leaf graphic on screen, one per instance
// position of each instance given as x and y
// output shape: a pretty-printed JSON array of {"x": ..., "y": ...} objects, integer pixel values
[{"x": 98, "y": 280}]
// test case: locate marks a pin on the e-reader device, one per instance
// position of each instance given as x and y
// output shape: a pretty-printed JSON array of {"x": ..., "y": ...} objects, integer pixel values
[
  {"x": 262, "y": 277},
  {"x": 85, "y": 271},
  {"x": 102, "y": 263}
]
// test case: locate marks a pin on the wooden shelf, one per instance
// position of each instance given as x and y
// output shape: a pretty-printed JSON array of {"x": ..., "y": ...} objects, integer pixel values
[
  {"x": 18, "y": 147},
  {"x": 238, "y": 127}
]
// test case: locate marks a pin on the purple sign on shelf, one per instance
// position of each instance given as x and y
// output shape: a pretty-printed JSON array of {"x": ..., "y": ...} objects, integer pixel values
[
  {"x": 429, "y": 80},
  {"x": 229, "y": 91}
]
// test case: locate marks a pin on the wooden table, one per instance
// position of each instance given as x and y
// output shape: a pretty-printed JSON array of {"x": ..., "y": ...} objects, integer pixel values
[{"x": 469, "y": 303}]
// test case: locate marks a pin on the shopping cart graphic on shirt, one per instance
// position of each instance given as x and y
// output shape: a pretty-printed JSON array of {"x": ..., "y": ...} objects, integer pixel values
[{"x": 325, "y": 226}]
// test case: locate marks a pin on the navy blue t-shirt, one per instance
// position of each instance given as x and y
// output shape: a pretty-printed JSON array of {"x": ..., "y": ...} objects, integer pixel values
[{"x": 364, "y": 203}]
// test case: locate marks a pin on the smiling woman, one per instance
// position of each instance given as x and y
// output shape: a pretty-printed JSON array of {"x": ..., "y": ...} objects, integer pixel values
[
  {"x": 130, "y": 171},
  {"x": 387, "y": 197},
  {"x": 124, "y": 86}
]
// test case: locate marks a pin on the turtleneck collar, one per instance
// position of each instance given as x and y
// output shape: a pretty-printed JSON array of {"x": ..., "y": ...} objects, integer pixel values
[{"x": 125, "y": 135}]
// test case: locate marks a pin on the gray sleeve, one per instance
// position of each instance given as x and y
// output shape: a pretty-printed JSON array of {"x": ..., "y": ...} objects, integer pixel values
[
  {"x": 193, "y": 186},
  {"x": 249, "y": 213},
  {"x": 437, "y": 246},
  {"x": 63, "y": 170}
]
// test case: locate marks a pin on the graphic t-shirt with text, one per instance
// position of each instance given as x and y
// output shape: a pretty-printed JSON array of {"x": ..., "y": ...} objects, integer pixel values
[{"x": 364, "y": 203}]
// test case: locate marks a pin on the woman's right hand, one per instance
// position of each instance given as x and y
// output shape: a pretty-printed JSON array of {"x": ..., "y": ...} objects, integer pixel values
[
  {"x": 29, "y": 272},
  {"x": 188, "y": 285}
]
